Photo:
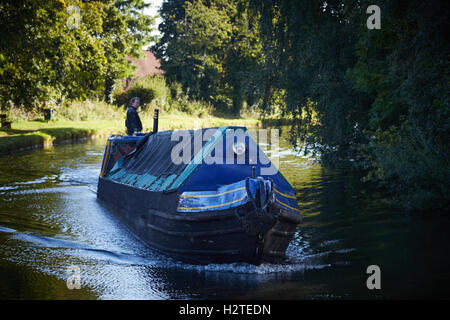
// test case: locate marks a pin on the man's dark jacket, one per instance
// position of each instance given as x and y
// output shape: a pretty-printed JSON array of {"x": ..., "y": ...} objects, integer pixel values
[{"x": 133, "y": 122}]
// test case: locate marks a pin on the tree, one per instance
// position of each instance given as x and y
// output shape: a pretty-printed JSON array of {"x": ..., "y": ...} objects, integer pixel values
[
  {"x": 43, "y": 58},
  {"x": 209, "y": 47},
  {"x": 379, "y": 97},
  {"x": 308, "y": 47},
  {"x": 406, "y": 70}
]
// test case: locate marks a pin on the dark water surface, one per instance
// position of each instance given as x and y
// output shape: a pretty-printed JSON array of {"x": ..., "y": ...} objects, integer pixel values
[{"x": 50, "y": 219}]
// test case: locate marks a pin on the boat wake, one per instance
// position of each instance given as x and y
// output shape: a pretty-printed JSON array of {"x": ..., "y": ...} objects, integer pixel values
[{"x": 298, "y": 259}]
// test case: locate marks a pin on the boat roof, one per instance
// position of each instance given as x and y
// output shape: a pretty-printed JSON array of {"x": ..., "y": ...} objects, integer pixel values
[{"x": 150, "y": 166}]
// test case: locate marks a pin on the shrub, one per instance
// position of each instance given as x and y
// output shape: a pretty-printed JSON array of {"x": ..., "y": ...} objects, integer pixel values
[
  {"x": 410, "y": 165},
  {"x": 151, "y": 90},
  {"x": 154, "y": 92},
  {"x": 87, "y": 110}
]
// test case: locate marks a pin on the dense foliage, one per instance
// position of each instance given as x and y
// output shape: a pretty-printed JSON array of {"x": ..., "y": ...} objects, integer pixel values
[
  {"x": 210, "y": 48},
  {"x": 155, "y": 93},
  {"x": 57, "y": 49},
  {"x": 381, "y": 95},
  {"x": 374, "y": 99}
]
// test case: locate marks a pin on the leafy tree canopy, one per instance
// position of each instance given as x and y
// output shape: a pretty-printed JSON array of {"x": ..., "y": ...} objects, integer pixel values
[
  {"x": 51, "y": 50},
  {"x": 211, "y": 48}
]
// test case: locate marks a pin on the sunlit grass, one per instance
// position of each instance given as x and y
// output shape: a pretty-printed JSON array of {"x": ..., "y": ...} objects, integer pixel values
[{"x": 38, "y": 133}]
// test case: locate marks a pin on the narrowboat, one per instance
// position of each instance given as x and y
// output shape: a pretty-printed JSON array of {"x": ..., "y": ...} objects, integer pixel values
[{"x": 200, "y": 196}]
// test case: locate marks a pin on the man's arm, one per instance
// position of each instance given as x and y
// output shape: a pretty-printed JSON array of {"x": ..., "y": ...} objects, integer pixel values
[{"x": 138, "y": 123}]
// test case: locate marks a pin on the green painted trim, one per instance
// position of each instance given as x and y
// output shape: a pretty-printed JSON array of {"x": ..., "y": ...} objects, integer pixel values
[
  {"x": 166, "y": 182},
  {"x": 145, "y": 180}
]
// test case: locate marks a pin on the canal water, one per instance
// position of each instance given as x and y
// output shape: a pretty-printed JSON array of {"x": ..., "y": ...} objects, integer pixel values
[{"x": 50, "y": 221}]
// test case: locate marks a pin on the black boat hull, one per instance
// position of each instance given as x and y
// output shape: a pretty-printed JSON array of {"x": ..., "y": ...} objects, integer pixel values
[{"x": 225, "y": 236}]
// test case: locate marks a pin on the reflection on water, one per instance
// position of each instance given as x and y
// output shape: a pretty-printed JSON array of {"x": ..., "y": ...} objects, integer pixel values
[{"x": 50, "y": 219}]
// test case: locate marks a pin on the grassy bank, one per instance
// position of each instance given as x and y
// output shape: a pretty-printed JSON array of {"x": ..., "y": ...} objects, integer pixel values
[
  {"x": 38, "y": 133},
  {"x": 73, "y": 120}
]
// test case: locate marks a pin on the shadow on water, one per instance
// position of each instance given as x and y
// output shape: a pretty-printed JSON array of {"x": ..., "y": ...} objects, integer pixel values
[{"x": 50, "y": 219}]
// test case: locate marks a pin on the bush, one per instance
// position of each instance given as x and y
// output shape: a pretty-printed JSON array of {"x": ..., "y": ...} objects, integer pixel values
[
  {"x": 87, "y": 111},
  {"x": 15, "y": 113},
  {"x": 151, "y": 90},
  {"x": 411, "y": 166},
  {"x": 192, "y": 107},
  {"x": 154, "y": 92}
]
